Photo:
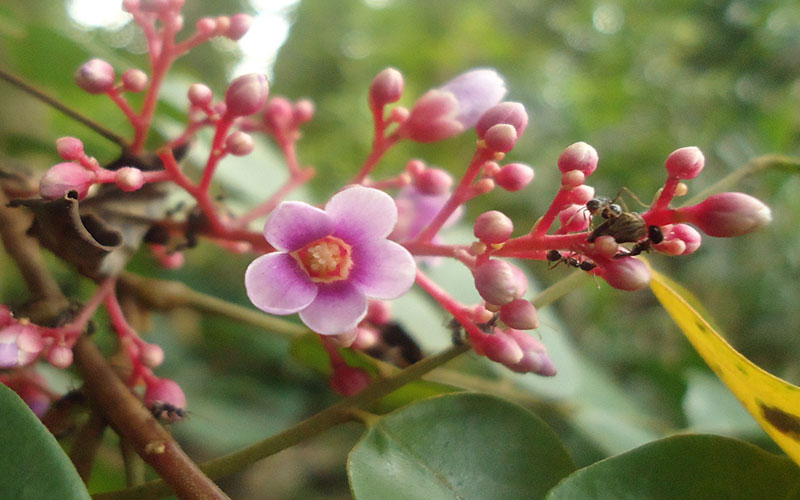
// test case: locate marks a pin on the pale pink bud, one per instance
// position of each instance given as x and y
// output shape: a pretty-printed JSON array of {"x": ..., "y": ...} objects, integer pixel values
[
  {"x": 63, "y": 178},
  {"x": 514, "y": 176},
  {"x": 433, "y": 118},
  {"x": 20, "y": 345},
  {"x": 578, "y": 156},
  {"x": 387, "y": 87},
  {"x": 415, "y": 167},
  {"x": 344, "y": 340},
  {"x": 493, "y": 227},
  {"x": 129, "y": 178},
  {"x": 239, "y": 25},
  {"x": 534, "y": 358},
  {"x": 175, "y": 22},
  {"x": 573, "y": 179},
  {"x": 347, "y": 380},
  {"x": 501, "y": 348},
  {"x": 482, "y": 186},
  {"x": 366, "y": 337},
  {"x": 200, "y": 95},
  {"x": 687, "y": 234},
  {"x": 500, "y": 138},
  {"x": 95, "y": 76},
  {"x": 206, "y": 26},
  {"x": 512, "y": 113},
  {"x": 399, "y": 114},
  {"x": 223, "y": 24},
  {"x": 278, "y": 113},
  {"x": 69, "y": 148},
  {"x": 499, "y": 282},
  {"x": 60, "y": 356},
  {"x": 172, "y": 260},
  {"x": 627, "y": 273},
  {"x": 433, "y": 181},
  {"x": 581, "y": 194},
  {"x": 726, "y": 215},
  {"x": 164, "y": 391},
  {"x": 606, "y": 246},
  {"x": 152, "y": 355},
  {"x": 302, "y": 111},
  {"x": 246, "y": 95},
  {"x": 573, "y": 218},
  {"x": 685, "y": 163},
  {"x": 379, "y": 312},
  {"x": 491, "y": 168},
  {"x": 519, "y": 314},
  {"x": 134, "y": 80},
  {"x": 239, "y": 143}
]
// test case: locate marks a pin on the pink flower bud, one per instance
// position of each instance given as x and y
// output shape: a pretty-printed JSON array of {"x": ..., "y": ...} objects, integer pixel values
[
  {"x": 152, "y": 355},
  {"x": 514, "y": 176},
  {"x": 512, "y": 113},
  {"x": 95, "y": 76},
  {"x": 6, "y": 317},
  {"x": 606, "y": 246},
  {"x": 499, "y": 282},
  {"x": 278, "y": 113},
  {"x": 63, "y": 178},
  {"x": 206, "y": 26},
  {"x": 163, "y": 391},
  {"x": 534, "y": 358},
  {"x": 302, "y": 111},
  {"x": 627, "y": 273},
  {"x": 581, "y": 194},
  {"x": 69, "y": 148},
  {"x": 725, "y": 215},
  {"x": 433, "y": 181},
  {"x": 129, "y": 179},
  {"x": 60, "y": 356},
  {"x": 685, "y": 163},
  {"x": 366, "y": 338},
  {"x": 246, "y": 95},
  {"x": 20, "y": 345},
  {"x": 223, "y": 24},
  {"x": 240, "y": 24},
  {"x": 433, "y": 118},
  {"x": 573, "y": 179},
  {"x": 573, "y": 218},
  {"x": 387, "y": 87},
  {"x": 200, "y": 95},
  {"x": 155, "y": 6},
  {"x": 500, "y": 138},
  {"x": 493, "y": 227},
  {"x": 519, "y": 314},
  {"x": 578, "y": 156},
  {"x": 134, "y": 80},
  {"x": 379, "y": 312},
  {"x": 501, "y": 348},
  {"x": 347, "y": 380},
  {"x": 239, "y": 143},
  {"x": 685, "y": 233},
  {"x": 415, "y": 167},
  {"x": 399, "y": 114}
]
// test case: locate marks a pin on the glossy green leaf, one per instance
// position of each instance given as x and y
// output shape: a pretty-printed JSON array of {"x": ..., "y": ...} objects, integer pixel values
[
  {"x": 697, "y": 467},
  {"x": 32, "y": 465},
  {"x": 459, "y": 446}
]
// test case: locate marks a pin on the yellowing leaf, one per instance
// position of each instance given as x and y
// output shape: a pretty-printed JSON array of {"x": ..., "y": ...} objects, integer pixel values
[{"x": 773, "y": 402}]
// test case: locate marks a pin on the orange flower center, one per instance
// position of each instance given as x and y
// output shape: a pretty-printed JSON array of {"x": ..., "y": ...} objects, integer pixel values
[{"x": 325, "y": 260}]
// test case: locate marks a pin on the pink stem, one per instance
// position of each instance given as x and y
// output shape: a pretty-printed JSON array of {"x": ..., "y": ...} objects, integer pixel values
[
  {"x": 380, "y": 144},
  {"x": 559, "y": 203},
  {"x": 217, "y": 151},
  {"x": 450, "y": 304}
]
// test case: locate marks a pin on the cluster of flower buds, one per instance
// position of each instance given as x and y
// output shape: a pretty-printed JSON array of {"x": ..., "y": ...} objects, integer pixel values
[{"x": 22, "y": 343}]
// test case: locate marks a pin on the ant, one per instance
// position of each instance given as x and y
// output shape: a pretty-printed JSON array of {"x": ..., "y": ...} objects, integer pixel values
[
  {"x": 654, "y": 237},
  {"x": 166, "y": 412},
  {"x": 555, "y": 257},
  {"x": 623, "y": 226}
]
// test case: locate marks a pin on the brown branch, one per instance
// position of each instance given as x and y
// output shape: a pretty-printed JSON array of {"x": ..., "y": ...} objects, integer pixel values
[{"x": 85, "y": 445}]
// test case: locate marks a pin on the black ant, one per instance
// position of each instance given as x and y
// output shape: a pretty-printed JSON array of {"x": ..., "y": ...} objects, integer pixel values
[
  {"x": 654, "y": 237},
  {"x": 166, "y": 412},
  {"x": 555, "y": 257}
]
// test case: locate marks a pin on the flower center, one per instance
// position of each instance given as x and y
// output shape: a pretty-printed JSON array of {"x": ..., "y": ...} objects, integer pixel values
[{"x": 325, "y": 260}]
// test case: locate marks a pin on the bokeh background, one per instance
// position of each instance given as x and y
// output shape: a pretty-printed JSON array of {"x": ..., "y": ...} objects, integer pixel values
[{"x": 636, "y": 80}]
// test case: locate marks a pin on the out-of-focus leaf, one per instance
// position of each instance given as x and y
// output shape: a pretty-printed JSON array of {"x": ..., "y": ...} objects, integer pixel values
[
  {"x": 773, "y": 402},
  {"x": 33, "y": 466},
  {"x": 689, "y": 466},
  {"x": 460, "y": 446}
]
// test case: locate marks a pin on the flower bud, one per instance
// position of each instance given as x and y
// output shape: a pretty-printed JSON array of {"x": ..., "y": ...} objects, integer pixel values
[
  {"x": 501, "y": 348},
  {"x": 534, "y": 357},
  {"x": 206, "y": 26},
  {"x": 152, "y": 355},
  {"x": 63, "y": 178},
  {"x": 6, "y": 317},
  {"x": 573, "y": 218},
  {"x": 239, "y": 25},
  {"x": 499, "y": 282},
  {"x": 20, "y": 345},
  {"x": 155, "y": 6},
  {"x": 239, "y": 143},
  {"x": 573, "y": 179},
  {"x": 511, "y": 113},
  {"x": 685, "y": 163},
  {"x": 514, "y": 176},
  {"x": 223, "y": 24},
  {"x": 685, "y": 233},
  {"x": 606, "y": 246},
  {"x": 366, "y": 338},
  {"x": 129, "y": 179},
  {"x": 519, "y": 314},
  {"x": 69, "y": 148},
  {"x": 581, "y": 194},
  {"x": 347, "y": 380},
  {"x": 95, "y": 76},
  {"x": 344, "y": 340},
  {"x": 500, "y": 138},
  {"x": 433, "y": 118},
  {"x": 493, "y": 227},
  {"x": 725, "y": 215},
  {"x": 164, "y": 391},
  {"x": 433, "y": 181},
  {"x": 578, "y": 156},
  {"x": 302, "y": 111},
  {"x": 627, "y": 273},
  {"x": 60, "y": 356},
  {"x": 278, "y": 113},
  {"x": 134, "y": 80},
  {"x": 200, "y": 95},
  {"x": 379, "y": 312},
  {"x": 386, "y": 88},
  {"x": 246, "y": 95}
]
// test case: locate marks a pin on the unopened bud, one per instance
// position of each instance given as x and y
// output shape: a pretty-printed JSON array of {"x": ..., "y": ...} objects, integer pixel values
[
  {"x": 573, "y": 218},
  {"x": 534, "y": 358},
  {"x": 200, "y": 95},
  {"x": 686, "y": 234},
  {"x": 499, "y": 282},
  {"x": 129, "y": 178},
  {"x": 60, "y": 356},
  {"x": 379, "y": 312},
  {"x": 164, "y": 391},
  {"x": 512, "y": 113},
  {"x": 63, "y": 178},
  {"x": 433, "y": 181},
  {"x": 69, "y": 148},
  {"x": 500, "y": 138},
  {"x": 685, "y": 163},
  {"x": 223, "y": 24},
  {"x": 239, "y": 143},
  {"x": 206, "y": 26},
  {"x": 246, "y": 95},
  {"x": 627, "y": 273},
  {"x": 514, "y": 176},
  {"x": 606, "y": 246},
  {"x": 573, "y": 179},
  {"x": 347, "y": 380},
  {"x": 152, "y": 355},
  {"x": 726, "y": 215},
  {"x": 578, "y": 156},
  {"x": 239, "y": 25},
  {"x": 493, "y": 227},
  {"x": 519, "y": 314},
  {"x": 501, "y": 348},
  {"x": 302, "y": 111},
  {"x": 278, "y": 113},
  {"x": 95, "y": 76},
  {"x": 20, "y": 345},
  {"x": 581, "y": 194},
  {"x": 386, "y": 88},
  {"x": 433, "y": 118},
  {"x": 366, "y": 338},
  {"x": 134, "y": 80}
]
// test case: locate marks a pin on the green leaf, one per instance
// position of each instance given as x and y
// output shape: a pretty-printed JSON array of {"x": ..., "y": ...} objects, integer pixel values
[
  {"x": 33, "y": 466},
  {"x": 458, "y": 446},
  {"x": 701, "y": 466}
]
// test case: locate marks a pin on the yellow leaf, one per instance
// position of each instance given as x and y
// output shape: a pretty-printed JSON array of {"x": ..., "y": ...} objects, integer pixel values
[{"x": 772, "y": 401}]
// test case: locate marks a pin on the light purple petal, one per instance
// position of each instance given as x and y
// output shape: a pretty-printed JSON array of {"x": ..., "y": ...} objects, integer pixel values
[
  {"x": 383, "y": 269},
  {"x": 339, "y": 307},
  {"x": 476, "y": 91},
  {"x": 9, "y": 355},
  {"x": 360, "y": 213},
  {"x": 293, "y": 224},
  {"x": 276, "y": 284}
]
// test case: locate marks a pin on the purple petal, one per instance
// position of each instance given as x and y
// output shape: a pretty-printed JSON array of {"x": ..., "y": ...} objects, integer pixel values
[
  {"x": 383, "y": 269},
  {"x": 276, "y": 284},
  {"x": 9, "y": 355},
  {"x": 294, "y": 224},
  {"x": 360, "y": 213},
  {"x": 476, "y": 91},
  {"x": 338, "y": 307}
]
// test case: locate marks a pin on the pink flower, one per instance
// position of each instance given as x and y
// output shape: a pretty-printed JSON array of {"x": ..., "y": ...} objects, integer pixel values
[{"x": 329, "y": 261}]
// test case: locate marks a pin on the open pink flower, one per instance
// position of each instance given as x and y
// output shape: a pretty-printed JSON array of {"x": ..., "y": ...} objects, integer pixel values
[{"x": 329, "y": 261}]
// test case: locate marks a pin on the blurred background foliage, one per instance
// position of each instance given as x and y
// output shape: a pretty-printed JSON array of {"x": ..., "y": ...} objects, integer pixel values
[{"x": 636, "y": 80}]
